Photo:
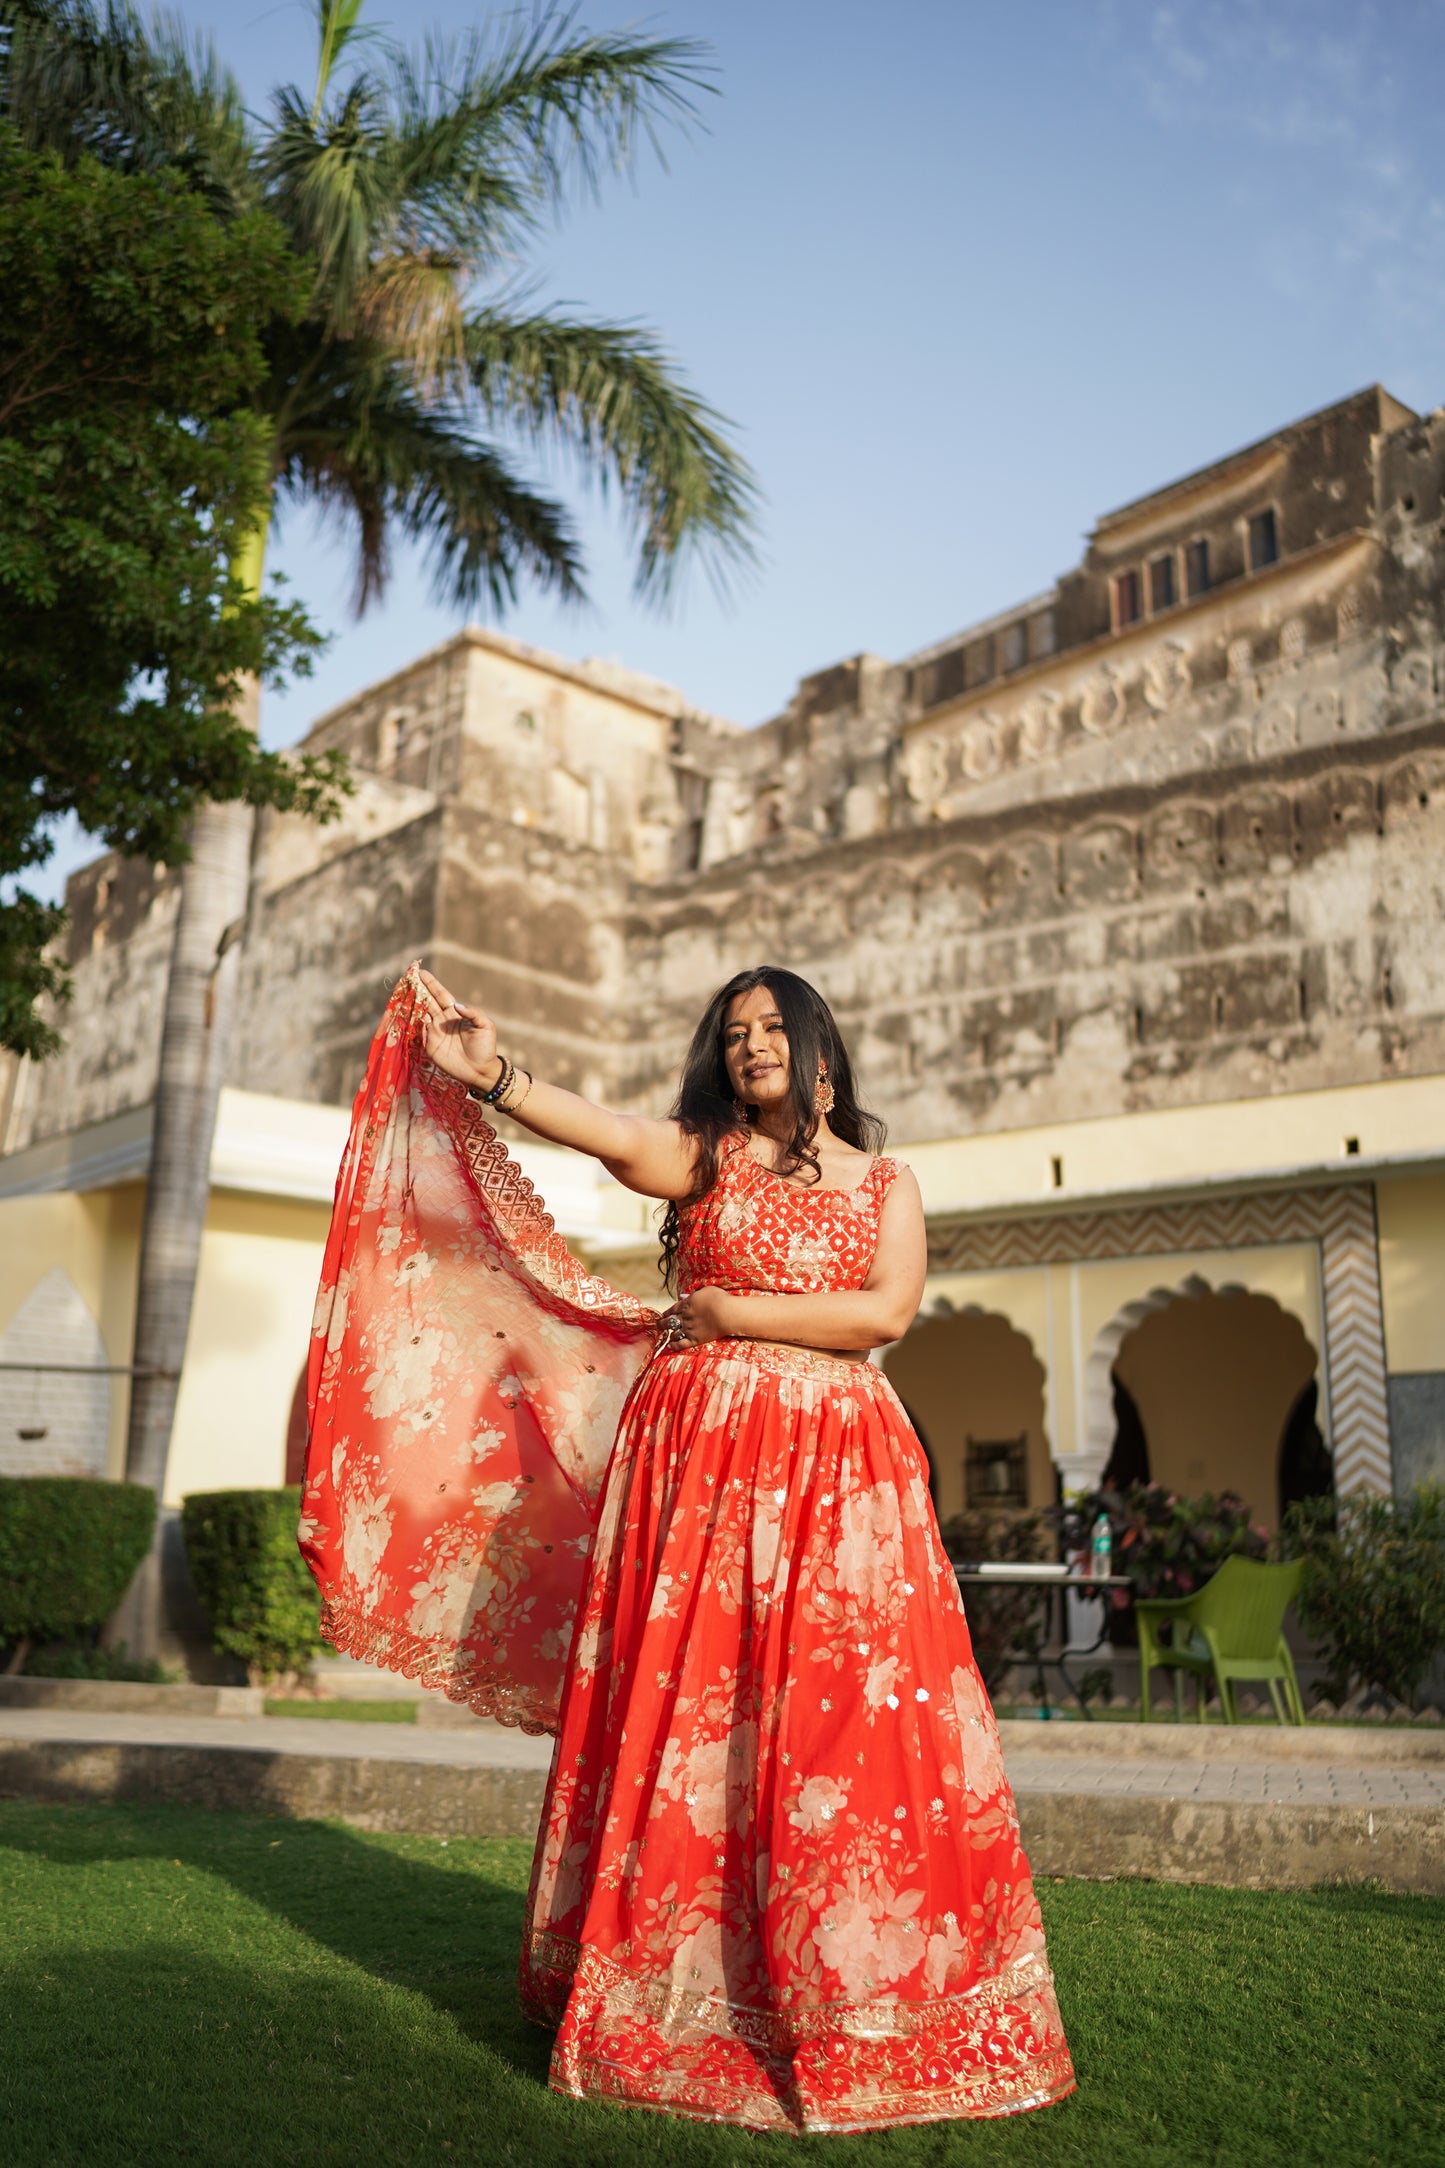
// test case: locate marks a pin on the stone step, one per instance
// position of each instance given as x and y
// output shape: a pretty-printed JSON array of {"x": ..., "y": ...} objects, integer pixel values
[
  {"x": 1336, "y": 1744},
  {"x": 127, "y": 1697},
  {"x": 1251, "y": 1822}
]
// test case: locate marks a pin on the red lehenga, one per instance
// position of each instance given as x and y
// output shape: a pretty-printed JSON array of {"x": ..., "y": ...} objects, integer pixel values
[{"x": 778, "y": 1881}]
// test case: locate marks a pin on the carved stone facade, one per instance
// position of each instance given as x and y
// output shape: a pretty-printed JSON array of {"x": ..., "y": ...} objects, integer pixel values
[
  {"x": 1168, "y": 836},
  {"x": 1065, "y": 864}
]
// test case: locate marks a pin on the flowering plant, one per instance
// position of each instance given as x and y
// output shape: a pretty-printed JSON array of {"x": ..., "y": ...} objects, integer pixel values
[
  {"x": 1002, "y": 1622},
  {"x": 1167, "y": 1545}
]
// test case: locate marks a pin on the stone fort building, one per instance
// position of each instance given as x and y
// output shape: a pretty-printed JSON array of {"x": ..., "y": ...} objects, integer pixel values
[{"x": 1129, "y": 899}]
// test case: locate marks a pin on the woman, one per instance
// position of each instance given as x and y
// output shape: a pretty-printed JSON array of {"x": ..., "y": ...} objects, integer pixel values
[{"x": 778, "y": 1881}]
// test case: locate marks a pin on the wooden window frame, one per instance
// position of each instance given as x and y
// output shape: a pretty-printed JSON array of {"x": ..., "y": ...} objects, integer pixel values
[
  {"x": 1262, "y": 511},
  {"x": 1116, "y": 585},
  {"x": 1169, "y": 557}
]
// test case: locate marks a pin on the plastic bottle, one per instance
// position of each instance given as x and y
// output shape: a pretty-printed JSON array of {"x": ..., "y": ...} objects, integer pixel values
[{"x": 1101, "y": 1549}]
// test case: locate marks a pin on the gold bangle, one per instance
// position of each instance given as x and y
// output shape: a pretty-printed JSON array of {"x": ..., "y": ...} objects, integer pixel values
[
  {"x": 516, "y": 1106},
  {"x": 505, "y": 1102}
]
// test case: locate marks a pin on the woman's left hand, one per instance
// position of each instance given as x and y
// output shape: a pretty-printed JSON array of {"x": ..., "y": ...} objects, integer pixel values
[{"x": 703, "y": 1315}]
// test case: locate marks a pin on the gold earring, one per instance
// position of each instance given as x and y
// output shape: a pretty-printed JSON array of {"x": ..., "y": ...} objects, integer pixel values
[
  {"x": 823, "y": 1094},
  {"x": 740, "y": 1108}
]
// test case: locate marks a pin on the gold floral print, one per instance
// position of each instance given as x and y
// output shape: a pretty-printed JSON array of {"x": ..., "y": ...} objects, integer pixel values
[
  {"x": 467, "y": 1376},
  {"x": 778, "y": 1881}
]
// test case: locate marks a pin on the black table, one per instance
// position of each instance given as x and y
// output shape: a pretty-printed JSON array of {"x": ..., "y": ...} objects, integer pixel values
[{"x": 1082, "y": 1584}]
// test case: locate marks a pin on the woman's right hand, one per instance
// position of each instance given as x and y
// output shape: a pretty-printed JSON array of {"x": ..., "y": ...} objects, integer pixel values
[
  {"x": 653, "y": 1158},
  {"x": 459, "y": 1039}
]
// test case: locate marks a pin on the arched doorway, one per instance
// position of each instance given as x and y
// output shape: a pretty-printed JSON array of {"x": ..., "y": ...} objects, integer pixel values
[
  {"x": 1306, "y": 1469},
  {"x": 975, "y": 1388},
  {"x": 1128, "y": 1460},
  {"x": 1215, "y": 1377}
]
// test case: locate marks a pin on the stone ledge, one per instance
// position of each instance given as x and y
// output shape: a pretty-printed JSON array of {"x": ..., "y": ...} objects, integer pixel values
[
  {"x": 1376, "y": 1745},
  {"x": 1245, "y": 1844},
  {"x": 1239, "y": 1844},
  {"x": 436, "y": 1713},
  {"x": 126, "y": 1697},
  {"x": 431, "y": 1798}
]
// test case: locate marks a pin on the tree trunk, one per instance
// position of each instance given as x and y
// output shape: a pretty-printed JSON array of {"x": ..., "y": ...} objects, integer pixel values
[{"x": 200, "y": 1000}]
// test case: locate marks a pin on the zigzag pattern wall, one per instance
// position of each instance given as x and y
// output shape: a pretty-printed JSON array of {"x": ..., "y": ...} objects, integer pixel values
[{"x": 1340, "y": 1219}]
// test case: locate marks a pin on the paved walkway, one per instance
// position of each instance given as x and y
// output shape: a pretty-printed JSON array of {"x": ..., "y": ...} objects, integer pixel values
[
  {"x": 1216, "y": 1765},
  {"x": 1349, "y": 1784}
]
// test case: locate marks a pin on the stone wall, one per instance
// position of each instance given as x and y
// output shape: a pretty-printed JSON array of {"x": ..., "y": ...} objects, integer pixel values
[
  {"x": 1136, "y": 948},
  {"x": 321, "y": 954},
  {"x": 122, "y": 922},
  {"x": 1125, "y": 846}
]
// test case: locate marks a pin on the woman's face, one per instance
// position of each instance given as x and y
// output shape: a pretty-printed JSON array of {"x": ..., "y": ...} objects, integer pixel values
[{"x": 755, "y": 1048}]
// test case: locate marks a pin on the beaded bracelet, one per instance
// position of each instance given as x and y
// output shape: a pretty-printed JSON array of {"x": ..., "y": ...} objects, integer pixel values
[
  {"x": 490, "y": 1099},
  {"x": 500, "y": 1095}
]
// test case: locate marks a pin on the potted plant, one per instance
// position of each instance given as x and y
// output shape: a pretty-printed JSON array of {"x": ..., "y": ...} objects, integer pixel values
[{"x": 1167, "y": 1545}]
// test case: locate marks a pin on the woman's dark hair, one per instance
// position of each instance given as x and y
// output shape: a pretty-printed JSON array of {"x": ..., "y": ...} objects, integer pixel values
[{"x": 704, "y": 1104}]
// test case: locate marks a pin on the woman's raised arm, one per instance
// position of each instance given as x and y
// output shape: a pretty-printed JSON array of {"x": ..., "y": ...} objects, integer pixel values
[{"x": 654, "y": 1158}]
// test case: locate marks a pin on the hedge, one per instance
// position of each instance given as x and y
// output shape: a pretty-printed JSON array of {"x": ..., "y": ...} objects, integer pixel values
[
  {"x": 69, "y": 1548},
  {"x": 250, "y": 1577}
]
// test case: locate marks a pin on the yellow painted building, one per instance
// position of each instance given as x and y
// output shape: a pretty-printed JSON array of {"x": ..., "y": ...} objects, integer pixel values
[
  {"x": 1021, "y": 1343},
  {"x": 70, "y": 1219}
]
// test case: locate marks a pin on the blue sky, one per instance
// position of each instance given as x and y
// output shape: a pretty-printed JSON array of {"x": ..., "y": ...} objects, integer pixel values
[{"x": 963, "y": 277}]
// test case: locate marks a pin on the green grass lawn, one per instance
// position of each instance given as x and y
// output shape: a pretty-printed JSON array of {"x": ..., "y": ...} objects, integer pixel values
[
  {"x": 354, "y": 1712},
  {"x": 184, "y": 1987}
]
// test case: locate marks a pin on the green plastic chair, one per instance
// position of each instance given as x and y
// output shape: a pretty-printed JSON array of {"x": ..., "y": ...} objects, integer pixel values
[{"x": 1230, "y": 1629}]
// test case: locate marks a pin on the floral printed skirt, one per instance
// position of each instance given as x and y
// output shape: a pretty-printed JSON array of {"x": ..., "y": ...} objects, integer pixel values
[{"x": 779, "y": 1880}]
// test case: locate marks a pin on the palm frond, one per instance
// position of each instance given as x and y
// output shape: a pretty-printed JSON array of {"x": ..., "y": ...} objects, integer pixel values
[
  {"x": 327, "y": 182},
  {"x": 411, "y": 303},
  {"x": 338, "y": 183},
  {"x": 533, "y": 104},
  {"x": 80, "y": 77},
  {"x": 455, "y": 152},
  {"x": 339, "y": 23},
  {"x": 380, "y": 459},
  {"x": 404, "y": 186},
  {"x": 610, "y": 392}
]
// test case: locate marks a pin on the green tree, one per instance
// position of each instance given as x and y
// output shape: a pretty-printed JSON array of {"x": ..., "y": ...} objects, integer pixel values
[
  {"x": 403, "y": 401},
  {"x": 129, "y": 463}
]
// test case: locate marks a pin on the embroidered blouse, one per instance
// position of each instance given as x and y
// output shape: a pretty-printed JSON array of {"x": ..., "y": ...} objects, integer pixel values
[{"x": 755, "y": 1233}]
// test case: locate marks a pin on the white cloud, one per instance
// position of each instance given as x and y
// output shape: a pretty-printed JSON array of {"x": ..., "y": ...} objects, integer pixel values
[{"x": 1341, "y": 175}]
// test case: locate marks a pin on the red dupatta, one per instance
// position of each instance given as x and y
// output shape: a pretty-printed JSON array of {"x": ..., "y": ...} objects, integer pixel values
[{"x": 464, "y": 1388}]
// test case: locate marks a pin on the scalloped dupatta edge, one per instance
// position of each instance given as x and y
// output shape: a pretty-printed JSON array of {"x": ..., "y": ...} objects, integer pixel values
[{"x": 466, "y": 1379}]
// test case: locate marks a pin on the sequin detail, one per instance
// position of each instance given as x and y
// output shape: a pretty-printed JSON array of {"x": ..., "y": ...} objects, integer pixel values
[{"x": 746, "y": 1910}]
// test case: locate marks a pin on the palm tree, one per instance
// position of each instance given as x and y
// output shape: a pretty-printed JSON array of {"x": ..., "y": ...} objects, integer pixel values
[{"x": 410, "y": 187}]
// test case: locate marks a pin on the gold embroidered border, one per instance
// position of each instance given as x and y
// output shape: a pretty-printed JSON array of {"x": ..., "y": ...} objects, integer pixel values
[
  {"x": 799, "y": 1362},
  {"x": 511, "y": 1201},
  {"x": 783, "y": 2030},
  {"x": 1049, "y": 2078},
  {"x": 776, "y": 2037},
  {"x": 457, "y": 1673}
]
